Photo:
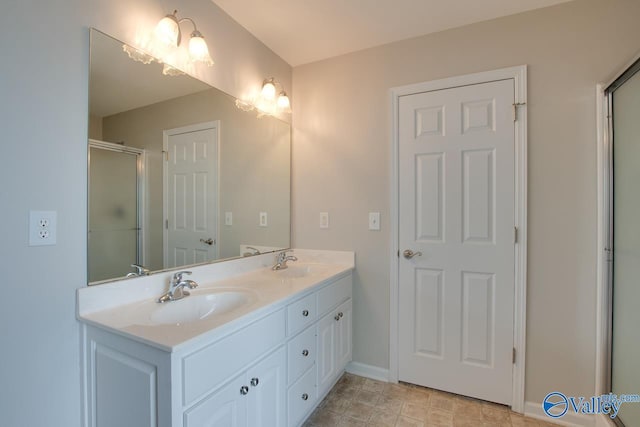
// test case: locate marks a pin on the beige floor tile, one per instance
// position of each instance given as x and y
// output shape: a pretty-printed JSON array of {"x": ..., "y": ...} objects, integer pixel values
[
  {"x": 495, "y": 413},
  {"x": 351, "y": 422},
  {"x": 441, "y": 401},
  {"x": 414, "y": 410},
  {"x": 324, "y": 418},
  {"x": 382, "y": 419},
  {"x": 467, "y": 408},
  {"x": 373, "y": 385},
  {"x": 368, "y": 397},
  {"x": 359, "y": 411},
  {"x": 408, "y": 422},
  {"x": 399, "y": 391},
  {"x": 438, "y": 417},
  {"x": 390, "y": 404},
  {"x": 336, "y": 404}
]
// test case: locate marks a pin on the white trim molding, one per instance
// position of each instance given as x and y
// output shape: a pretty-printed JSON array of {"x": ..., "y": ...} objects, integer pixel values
[
  {"x": 519, "y": 75},
  {"x": 368, "y": 371},
  {"x": 534, "y": 410}
]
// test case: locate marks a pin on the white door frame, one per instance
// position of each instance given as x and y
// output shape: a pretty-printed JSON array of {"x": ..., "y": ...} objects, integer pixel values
[
  {"x": 519, "y": 75},
  {"x": 215, "y": 124}
]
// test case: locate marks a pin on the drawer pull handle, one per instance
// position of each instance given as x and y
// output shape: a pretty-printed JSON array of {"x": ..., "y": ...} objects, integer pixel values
[
  {"x": 305, "y": 313},
  {"x": 305, "y": 396},
  {"x": 340, "y": 315},
  {"x": 244, "y": 390},
  {"x": 255, "y": 381},
  {"x": 305, "y": 352},
  {"x": 336, "y": 317}
]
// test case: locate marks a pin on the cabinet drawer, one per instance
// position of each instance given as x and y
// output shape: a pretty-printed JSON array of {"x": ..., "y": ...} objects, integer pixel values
[
  {"x": 301, "y": 353},
  {"x": 332, "y": 295},
  {"x": 301, "y": 397},
  {"x": 206, "y": 369},
  {"x": 301, "y": 313}
]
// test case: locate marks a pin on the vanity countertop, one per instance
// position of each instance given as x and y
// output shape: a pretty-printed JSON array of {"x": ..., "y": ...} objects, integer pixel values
[{"x": 127, "y": 307}]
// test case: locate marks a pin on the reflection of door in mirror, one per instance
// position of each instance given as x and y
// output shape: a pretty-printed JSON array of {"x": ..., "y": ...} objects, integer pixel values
[
  {"x": 191, "y": 194},
  {"x": 114, "y": 210}
]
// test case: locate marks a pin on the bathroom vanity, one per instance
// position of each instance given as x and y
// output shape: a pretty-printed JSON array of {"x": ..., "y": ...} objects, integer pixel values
[{"x": 249, "y": 347}]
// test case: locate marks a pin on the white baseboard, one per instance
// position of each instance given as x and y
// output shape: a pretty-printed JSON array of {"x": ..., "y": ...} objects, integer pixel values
[
  {"x": 368, "y": 371},
  {"x": 534, "y": 410}
]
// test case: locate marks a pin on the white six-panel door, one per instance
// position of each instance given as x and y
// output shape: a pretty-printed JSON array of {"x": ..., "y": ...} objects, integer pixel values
[
  {"x": 192, "y": 212},
  {"x": 456, "y": 210}
]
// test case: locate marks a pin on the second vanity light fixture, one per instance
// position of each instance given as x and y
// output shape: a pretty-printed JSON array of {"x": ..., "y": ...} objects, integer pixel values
[
  {"x": 168, "y": 32},
  {"x": 272, "y": 100}
]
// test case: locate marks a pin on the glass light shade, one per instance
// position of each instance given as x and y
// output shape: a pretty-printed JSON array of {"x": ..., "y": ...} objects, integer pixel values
[
  {"x": 283, "y": 102},
  {"x": 198, "y": 50},
  {"x": 268, "y": 90},
  {"x": 168, "y": 31}
]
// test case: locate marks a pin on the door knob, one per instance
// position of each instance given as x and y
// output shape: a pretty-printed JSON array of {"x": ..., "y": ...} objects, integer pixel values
[
  {"x": 209, "y": 241},
  {"x": 408, "y": 253},
  {"x": 255, "y": 382}
]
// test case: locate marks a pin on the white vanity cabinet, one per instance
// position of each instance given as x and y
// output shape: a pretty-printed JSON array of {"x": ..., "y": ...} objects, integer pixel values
[{"x": 270, "y": 372}]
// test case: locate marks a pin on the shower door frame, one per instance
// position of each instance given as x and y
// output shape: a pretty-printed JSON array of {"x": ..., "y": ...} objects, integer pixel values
[
  {"x": 604, "y": 266},
  {"x": 140, "y": 194}
]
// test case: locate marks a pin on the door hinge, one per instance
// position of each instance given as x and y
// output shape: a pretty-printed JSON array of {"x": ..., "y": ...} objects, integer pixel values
[
  {"x": 166, "y": 155},
  {"x": 513, "y": 356},
  {"x": 515, "y": 234},
  {"x": 398, "y": 254},
  {"x": 609, "y": 253},
  {"x": 166, "y": 224},
  {"x": 515, "y": 106}
]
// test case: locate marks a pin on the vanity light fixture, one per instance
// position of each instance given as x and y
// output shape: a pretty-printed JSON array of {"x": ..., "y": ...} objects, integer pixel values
[
  {"x": 168, "y": 32},
  {"x": 266, "y": 103}
]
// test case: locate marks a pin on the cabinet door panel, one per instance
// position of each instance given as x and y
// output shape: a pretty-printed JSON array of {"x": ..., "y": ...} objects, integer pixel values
[
  {"x": 326, "y": 352},
  {"x": 343, "y": 335},
  {"x": 227, "y": 407},
  {"x": 266, "y": 399}
]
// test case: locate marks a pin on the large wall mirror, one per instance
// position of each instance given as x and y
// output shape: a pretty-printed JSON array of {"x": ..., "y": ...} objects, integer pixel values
[{"x": 178, "y": 175}]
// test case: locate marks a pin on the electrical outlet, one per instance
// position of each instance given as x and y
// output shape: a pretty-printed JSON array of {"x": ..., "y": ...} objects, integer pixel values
[
  {"x": 374, "y": 221},
  {"x": 263, "y": 219},
  {"x": 324, "y": 219},
  {"x": 228, "y": 218},
  {"x": 42, "y": 228}
]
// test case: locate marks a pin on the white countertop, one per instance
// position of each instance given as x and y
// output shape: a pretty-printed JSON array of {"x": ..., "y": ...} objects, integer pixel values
[{"x": 124, "y": 307}]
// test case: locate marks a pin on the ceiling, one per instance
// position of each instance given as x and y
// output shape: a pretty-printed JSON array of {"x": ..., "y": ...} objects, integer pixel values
[{"x": 303, "y": 31}]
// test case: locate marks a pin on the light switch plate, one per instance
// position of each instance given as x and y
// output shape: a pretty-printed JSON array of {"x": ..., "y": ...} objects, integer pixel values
[
  {"x": 263, "y": 219},
  {"x": 42, "y": 228},
  {"x": 228, "y": 218},
  {"x": 324, "y": 219},
  {"x": 374, "y": 221}
]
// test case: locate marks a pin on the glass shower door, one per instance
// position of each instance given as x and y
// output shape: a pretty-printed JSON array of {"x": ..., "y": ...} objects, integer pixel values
[
  {"x": 625, "y": 352},
  {"x": 113, "y": 213}
]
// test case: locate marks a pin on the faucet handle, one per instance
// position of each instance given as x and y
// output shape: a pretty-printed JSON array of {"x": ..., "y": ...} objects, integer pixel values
[
  {"x": 177, "y": 277},
  {"x": 140, "y": 269},
  {"x": 282, "y": 255}
]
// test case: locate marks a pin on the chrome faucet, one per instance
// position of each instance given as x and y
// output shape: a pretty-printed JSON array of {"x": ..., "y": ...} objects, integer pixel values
[
  {"x": 177, "y": 287},
  {"x": 253, "y": 252},
  {"x": 140, "y": 271},
  {"x": 281, "y": 260}
]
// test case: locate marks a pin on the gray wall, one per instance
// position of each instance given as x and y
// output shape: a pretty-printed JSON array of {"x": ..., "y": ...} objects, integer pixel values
[
  {"x": 341, "y": 164},
  {"x": 45, "y": 67}
]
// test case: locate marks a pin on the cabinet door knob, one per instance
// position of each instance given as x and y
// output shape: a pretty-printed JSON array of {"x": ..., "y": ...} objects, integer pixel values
[
  {"x": 244, "y": 390},
  {"x": 340, "y": 315},
  {"x": 255, "y": 381},
  {"x": 336, "y": 317},
  {"x": 305, "y": 396},
  {"x": 305, "y": 313},
  {"x": 305, "y": 352}
]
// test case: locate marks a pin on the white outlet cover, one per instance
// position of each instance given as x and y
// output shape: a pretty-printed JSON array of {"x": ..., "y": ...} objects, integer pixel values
[
  {"x": 228, "y": 218},
  {"x": 263, "y": 219},
  {"x": 324, "y": 219},
  {"x": 374, "y": 221},
  {"x": 42, "y": 228}
]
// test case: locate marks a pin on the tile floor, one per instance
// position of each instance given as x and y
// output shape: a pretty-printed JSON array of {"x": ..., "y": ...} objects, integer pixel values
[{"x": 358, "y": 401}]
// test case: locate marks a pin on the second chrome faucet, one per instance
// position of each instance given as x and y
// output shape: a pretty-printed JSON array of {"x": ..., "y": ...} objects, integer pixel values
[{"x": 281, "y": 260}]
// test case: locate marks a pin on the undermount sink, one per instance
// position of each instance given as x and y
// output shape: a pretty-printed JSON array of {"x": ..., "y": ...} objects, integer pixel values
[{"x": 200, "y": 306}]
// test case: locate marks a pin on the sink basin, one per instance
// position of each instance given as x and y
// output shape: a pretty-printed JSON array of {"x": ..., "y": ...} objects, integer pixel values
[{"x": 197, "y": 307}]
